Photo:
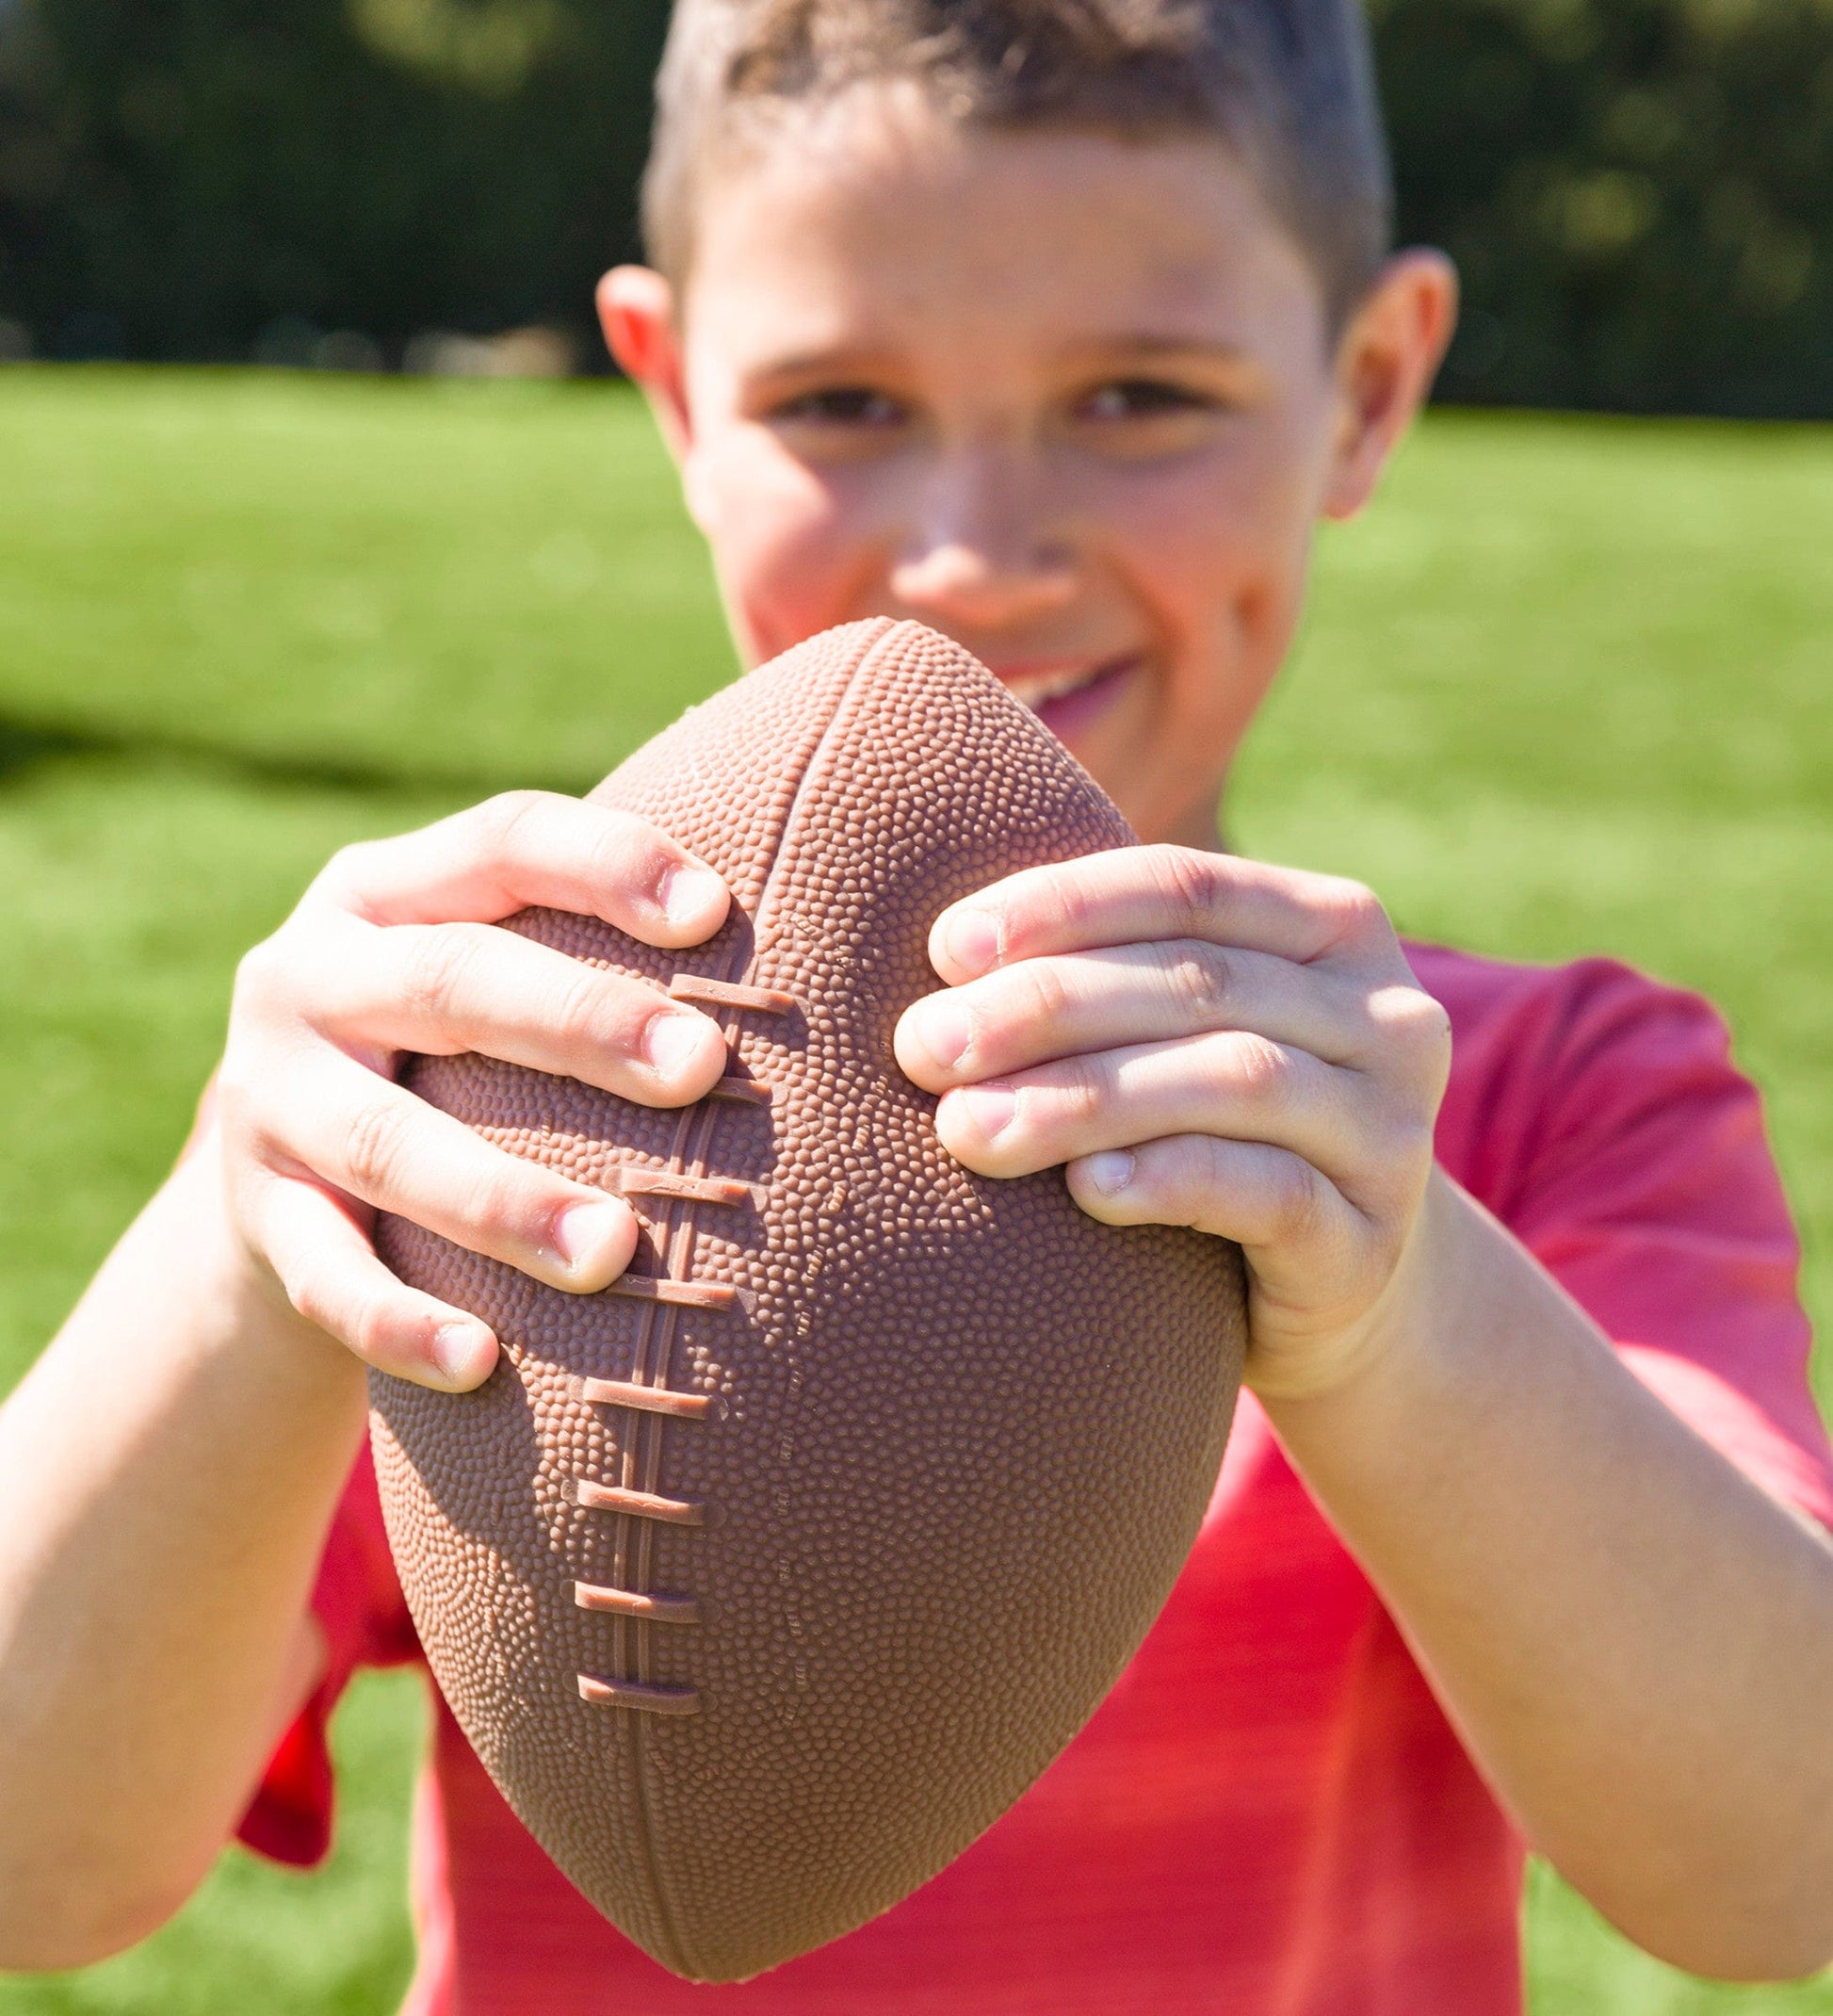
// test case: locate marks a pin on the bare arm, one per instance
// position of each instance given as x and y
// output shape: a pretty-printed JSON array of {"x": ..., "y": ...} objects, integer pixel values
[
  {"x": 168, "y": 1469},
  {"x": 167, "y": 1473},
  {"x": 1636, "y": 1642}
]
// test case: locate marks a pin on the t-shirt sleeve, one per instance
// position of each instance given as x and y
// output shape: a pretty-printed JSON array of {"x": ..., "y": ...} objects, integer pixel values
[
  {"x": 1648, "y": 1190},
  {"x": 363, "y": 1619}
]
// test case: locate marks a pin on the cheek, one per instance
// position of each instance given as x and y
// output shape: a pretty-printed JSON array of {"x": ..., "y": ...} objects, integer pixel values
[
  {"x": 789, "y": 560},
  {"x": 1219, "y": 549}
]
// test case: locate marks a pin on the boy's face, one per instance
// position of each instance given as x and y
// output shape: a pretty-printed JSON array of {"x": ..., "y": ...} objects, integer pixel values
[{"x": 1070, "y": 398}]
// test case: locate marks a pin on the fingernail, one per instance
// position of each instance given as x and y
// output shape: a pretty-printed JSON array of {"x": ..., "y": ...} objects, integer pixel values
[
  {"x": 583, "y": 1230},
  {"x": 1111, "y": 1170},
  {"x": 990, "y": 1107},
  {"x": 673, "y": 1039},
  {"x": 971, "y": 939},
  {"x": 689, "y": 892},
  {"x": 456, "y": 1349},
  {"x": 941, "y": 1025}
]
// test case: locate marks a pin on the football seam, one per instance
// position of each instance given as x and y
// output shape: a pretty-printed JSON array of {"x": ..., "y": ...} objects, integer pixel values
[{"x": 641, "y": 1458}]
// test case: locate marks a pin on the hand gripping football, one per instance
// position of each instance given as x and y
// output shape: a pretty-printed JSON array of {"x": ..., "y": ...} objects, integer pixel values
[{"x": 766, "y": 1579}]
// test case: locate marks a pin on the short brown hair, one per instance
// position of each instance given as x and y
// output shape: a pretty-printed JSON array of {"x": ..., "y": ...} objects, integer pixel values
[{"x": 1286, "y": 85}]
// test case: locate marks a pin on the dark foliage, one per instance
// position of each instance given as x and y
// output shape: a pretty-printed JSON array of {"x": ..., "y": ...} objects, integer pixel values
[
  {"x": 179, "y": 176},
  {"x": 1639, "y": 192}
]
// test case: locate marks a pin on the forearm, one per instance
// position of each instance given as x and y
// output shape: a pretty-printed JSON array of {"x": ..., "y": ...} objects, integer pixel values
[
  {"x": 1636, "y": 1644},
  {"x": 169, "y": 1468},
  {"x": 166, "y": 1474}
]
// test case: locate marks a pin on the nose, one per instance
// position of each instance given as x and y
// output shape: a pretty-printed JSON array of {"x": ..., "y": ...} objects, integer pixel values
[{"x": 980, "y": 556}]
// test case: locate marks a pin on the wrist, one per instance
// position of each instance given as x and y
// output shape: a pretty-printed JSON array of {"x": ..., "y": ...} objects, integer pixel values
[{"x": 1384, "y": 1351}]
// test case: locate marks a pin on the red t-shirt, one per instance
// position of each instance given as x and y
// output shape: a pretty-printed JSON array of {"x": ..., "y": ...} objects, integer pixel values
[{"x": 1269, "y": 1813}]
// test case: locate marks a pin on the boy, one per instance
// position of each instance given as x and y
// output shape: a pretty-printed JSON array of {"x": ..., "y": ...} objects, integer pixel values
[{"x": 1056, "y": 324}]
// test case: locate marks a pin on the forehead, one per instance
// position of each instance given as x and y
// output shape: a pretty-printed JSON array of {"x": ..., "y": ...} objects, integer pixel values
[{"x": 877, "y": 224}]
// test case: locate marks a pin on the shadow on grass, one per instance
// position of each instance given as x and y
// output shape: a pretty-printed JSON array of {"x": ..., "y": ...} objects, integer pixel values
[{"x": 26, "y": 744}]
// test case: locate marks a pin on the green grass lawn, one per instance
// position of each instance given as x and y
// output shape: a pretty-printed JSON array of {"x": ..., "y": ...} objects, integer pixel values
[{"x": 1563, "y": 689}]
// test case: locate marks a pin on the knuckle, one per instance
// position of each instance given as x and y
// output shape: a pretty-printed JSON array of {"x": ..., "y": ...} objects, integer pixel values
[
  {"x": 1060, "y": 893},
  {"x": 264, "y": 977},
  {"x": 1202, "y": 979},
  {"x": 508, "y": 811},
  {"x": 375, "y": 1146},
  {"x": 1208, "y": 1171},
  {"x": 502, "y": 825},
  {"x": 513, "y": 1203},
  {"x": 370, "y": 1327},
  {"x": 1262, "y": 1072},
  {"x": 307, "y": 1294},
  {"x": 1416, "y": 1027},
  {"x": 1353, "y": 910},
  {"x": 1297, "y": 1200},
  {"x": 249, "y": 989},
  {"x": 1390, "y": 1176},
  {"x": 1044, "y": 998},
  {"x": 1432, "y": 1040},
  {"x": 309, "y": 1287},
  {"x": 1186, "y": 877},
  {"x": 631, "y": 854},
  {"x": 1428, "y": 1022},
  {"x": 1080, "y": 1085},
  {"x": 237, "y": 1085},
  {"x": 347, "y": 871},
  {"x": 586, "y": 1010},
  {"x": 500, "y": 1215},
  {"x": 1181, "y": 1172},
  {"x": 437, "y": 969},
  {"x": 249, "y": 1103}
]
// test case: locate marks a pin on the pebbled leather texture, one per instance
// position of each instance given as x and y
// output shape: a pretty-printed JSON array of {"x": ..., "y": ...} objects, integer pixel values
[{"x": 765, "y": 1581}]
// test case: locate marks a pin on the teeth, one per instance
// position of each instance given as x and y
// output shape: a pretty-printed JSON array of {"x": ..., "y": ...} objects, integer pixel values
[{"x": 1052, "y": 686}]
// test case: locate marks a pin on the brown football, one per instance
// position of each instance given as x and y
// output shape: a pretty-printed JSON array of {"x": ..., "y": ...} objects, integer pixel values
[{"x": 766, "y": 1579}]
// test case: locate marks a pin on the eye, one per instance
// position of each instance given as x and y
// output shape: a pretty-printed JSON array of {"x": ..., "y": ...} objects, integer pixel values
[
  {"x": 849, "y": 406},
  {"x": 1142, "y": 399}
]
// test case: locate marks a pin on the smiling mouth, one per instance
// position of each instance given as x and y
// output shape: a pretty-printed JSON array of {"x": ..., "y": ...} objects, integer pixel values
[{"x": 1037, "y": 690}]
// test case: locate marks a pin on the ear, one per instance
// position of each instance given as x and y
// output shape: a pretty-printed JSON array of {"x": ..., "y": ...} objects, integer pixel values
[
  {"x": 635, "y": 310},
  {"x": 1386, "y": 363}
]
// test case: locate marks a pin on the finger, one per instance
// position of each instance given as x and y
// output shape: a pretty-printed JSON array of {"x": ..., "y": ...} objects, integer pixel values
[
  {"x": 447, "y": 988},
  {"x": 1296, "y": 1227},
  {"x": 1136, "y": 894},
  {"x": 361, "y": 1134},
  {"x": 1066, "y": 1003},
  {"x": 532, "y": 847},
  {"x": 333, "y": 1278},
  {"x": 1232, "y": 1084}
]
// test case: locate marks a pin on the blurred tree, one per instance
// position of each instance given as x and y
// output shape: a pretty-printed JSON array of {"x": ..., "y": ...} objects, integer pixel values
[
  {"x": 1639, "y": 192},
  {"x": 178, "y": 176}
]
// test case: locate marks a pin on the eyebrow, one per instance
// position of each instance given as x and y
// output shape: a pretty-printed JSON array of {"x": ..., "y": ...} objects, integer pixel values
[
  {"x": 1151, "y": 343},
  {"x": 1092, "y": 351},
  {"x": 801, "y": 362}
]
